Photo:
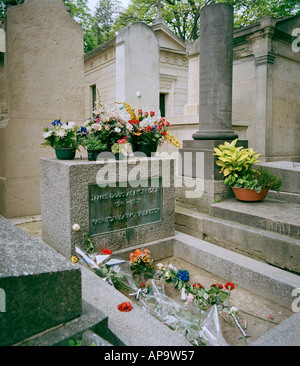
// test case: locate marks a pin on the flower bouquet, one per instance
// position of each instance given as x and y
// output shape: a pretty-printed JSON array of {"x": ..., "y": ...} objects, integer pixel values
[
  {"x": 141, "y": 263},
  {"x": 103, "y": 130},
  {"x": 146, "y": 131},
  {"x": 63, "y": 137}
]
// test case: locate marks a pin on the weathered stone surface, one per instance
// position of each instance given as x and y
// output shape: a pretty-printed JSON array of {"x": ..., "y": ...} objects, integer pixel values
[
  {"x": 65, "y": 201},
  {"x": 288, "y": 171},
  {"x": 41, "y": 288},
  {"x": 44, "y": 81}
]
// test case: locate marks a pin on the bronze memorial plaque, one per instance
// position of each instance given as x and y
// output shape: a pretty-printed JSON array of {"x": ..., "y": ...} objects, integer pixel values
[{"x": 125, "y": 205}]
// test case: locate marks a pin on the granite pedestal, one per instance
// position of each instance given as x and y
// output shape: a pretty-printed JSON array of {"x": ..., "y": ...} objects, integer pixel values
[{"x": 117, "y": 203}]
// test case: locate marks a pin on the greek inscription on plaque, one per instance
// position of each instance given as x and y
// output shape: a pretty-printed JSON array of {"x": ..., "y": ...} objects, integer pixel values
[{"x": 119, "y": 207}]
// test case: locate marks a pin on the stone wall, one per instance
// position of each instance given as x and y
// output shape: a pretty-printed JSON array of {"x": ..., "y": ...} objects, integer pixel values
[
  {"x": 44, "y": 81},
  {"x": 266, "y": 98}
]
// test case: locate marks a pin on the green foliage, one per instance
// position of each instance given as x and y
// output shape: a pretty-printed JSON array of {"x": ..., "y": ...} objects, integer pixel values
[
  {"x": 81, "y": 13},
  {"x": 61, "y": 135},
  {"x": 236, "y": 167},
  {"x": 92, "y": 142},
  {"x": 234, "y": 161},
  {"x": 181, "y": 16}
]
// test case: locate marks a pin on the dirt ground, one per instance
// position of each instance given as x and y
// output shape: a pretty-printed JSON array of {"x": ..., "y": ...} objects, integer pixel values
[{"x": 243, "y": 299}]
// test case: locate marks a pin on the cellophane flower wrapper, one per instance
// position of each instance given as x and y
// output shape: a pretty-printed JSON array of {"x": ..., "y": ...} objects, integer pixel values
[{"x": 184, "y": 319}]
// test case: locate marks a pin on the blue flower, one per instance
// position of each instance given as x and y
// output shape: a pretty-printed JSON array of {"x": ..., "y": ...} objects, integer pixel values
[
  {"x": 183, "y": 275},
  {"x": 82, "y": 130},
  {"x": 56, "y": 123}
]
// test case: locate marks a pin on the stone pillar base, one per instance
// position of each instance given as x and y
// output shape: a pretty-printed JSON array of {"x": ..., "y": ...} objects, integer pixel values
[{"x": 198, "y": 194}]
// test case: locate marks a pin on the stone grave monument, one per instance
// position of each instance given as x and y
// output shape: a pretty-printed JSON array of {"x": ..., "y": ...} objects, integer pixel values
[
  {"x": 118, "y": 204},
  {"x": 44, "y": 81}
]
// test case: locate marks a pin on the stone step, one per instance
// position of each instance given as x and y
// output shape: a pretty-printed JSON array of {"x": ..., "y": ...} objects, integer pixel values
[
  {"x": 40, "y": 289},
  {"x": 288, "y": 171},
  {"x": 90, "y": 328},
  {"x": 275, "y": 216},
  {"x": 270, "y": 247}
]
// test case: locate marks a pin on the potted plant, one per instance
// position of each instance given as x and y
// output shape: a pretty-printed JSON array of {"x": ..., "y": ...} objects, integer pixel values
[
  {"x": 63, "y": 137},
  {"x": 247, "y": 183},
  {"x": 146, "y": 131},
  {"x": 94, "y": 146},
  {"x": 106, "y": 127},
  {"x": 119, "y": 149}
]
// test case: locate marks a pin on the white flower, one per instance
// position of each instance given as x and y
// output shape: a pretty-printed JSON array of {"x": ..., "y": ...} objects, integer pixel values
[
  {"x": 129, "y": 126},
  {"x": 68, "y": 125},
  {"x": 47, "y": 134},
  {"x": 160, "y": 266},
  {"x": 138, "y": 94},
  {"x": 107, "y": 127},
  {"x": 60, "y": 133},
  {"x": 167, "y": 275},
  {"x": 117, "y": 129},
  {"x": 96, "y": 126},
  {"x": 76, "y": 227}
]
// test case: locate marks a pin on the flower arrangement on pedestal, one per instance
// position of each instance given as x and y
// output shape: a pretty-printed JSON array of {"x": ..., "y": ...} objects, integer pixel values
[
  {"x": 104, "y": 129},
  {"x": 63, "y": 137},
  {"x": 146, "y": 131}
]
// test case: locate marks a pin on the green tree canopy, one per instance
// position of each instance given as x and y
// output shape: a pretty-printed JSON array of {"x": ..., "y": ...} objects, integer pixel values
[{"x": 183, "y": 16}]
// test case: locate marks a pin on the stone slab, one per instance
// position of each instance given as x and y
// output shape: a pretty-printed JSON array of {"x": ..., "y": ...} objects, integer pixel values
[
  {"x": 91, "y": 320},
  {"x": 65, "y": 201},
  {"x": 269, "y": 247},
  {"x": 288, "y": 171},
  {"x": 284, "y": 334},
  {"x": 279, "y": 217},
  {"x": 41, "y": 288}
]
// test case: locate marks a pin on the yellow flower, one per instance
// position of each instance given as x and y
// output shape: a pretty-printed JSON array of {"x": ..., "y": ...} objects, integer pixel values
[
  {"x": 130, "y": 110},
  {"x": 74, "y": 259}
]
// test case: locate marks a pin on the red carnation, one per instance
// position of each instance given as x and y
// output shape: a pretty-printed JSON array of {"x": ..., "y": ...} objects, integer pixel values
[
  {"x": 131, "y": 122},
  {"x": 229, "y": 286},
  {"x": 219, "y": 285},
  {"x": 106, "y": 251},
  {"x": 197, "y": 285},
  {"x": 152, "y": 113},
  {"x": 163, "y": 133},
  {"x": 125, "y": 307},
  {"x": 148, "y": 128}
]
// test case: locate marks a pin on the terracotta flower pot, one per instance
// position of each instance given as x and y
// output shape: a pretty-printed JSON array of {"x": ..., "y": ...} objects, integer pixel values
[{"x": 249, "y": 195}]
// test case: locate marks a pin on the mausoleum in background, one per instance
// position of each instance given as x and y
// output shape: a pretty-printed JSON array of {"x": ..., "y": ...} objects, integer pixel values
[
  {"x": 42, "y": 81},
  {"x": 266, "y": 84}
]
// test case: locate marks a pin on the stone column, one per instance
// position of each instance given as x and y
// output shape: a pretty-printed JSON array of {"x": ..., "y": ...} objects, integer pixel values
[
  {"x": 216, "y": 62},
  {"x": 215, "y": 109}
]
